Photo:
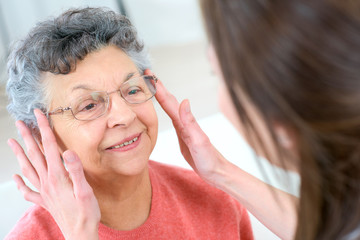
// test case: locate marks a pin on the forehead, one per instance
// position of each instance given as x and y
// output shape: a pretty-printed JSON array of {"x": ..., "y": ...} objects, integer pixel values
[{"x": 100, "y": 70}]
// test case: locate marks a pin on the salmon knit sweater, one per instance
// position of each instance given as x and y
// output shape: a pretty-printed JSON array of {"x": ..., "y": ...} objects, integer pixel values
[{"x": 183, "y": 207}]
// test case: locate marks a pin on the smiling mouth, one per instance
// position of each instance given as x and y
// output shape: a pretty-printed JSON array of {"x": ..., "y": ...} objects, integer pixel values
[{"x": 125, "y": 143}]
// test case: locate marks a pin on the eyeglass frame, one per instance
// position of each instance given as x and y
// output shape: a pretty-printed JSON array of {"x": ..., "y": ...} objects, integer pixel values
[{"x": 61, "y": 110}]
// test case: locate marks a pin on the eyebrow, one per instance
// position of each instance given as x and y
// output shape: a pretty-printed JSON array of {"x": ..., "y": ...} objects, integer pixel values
[
  {"x": 130, "y": 75},
  {"x": 86, "y": 87}
]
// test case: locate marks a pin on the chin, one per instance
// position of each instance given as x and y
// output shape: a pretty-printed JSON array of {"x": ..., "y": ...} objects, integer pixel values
[{"x": 133, "y": 167}]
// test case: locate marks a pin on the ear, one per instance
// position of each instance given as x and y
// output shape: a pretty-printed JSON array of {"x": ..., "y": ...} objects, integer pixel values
[
  {"x": 284, "y": 137},
  {"x": 148, "y": 72}
]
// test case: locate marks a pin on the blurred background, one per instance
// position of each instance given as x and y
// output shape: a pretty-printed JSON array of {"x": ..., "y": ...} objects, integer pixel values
[{"x": 173, "y": 33}]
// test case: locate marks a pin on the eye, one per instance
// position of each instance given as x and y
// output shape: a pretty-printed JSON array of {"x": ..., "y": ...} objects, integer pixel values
[
  {"x": 134, "y": 91},
  {"x": 89, "y": 106},
  {"x": 90, "y": 103},
  {"x": 86, "y": 106}
]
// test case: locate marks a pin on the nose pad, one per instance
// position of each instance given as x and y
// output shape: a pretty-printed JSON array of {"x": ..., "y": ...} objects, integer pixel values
[{"x": 120, "y": 113}]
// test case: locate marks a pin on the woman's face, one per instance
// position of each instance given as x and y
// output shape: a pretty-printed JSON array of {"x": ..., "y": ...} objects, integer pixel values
[
  {"x": 224, "y": 100},
  {"x": 94, "y": 141},
  {"x": 227, "y": 107}
]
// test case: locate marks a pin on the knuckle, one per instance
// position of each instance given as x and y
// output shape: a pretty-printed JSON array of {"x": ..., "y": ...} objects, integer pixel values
[
  {"x": 76, "y": 170},
  {"x": 26, "y": 194},
  {"x": 85, "y": 194},
  {"x": 44, "y": 189},
  {"x": 25, "y": 171},
  {"x": 49, "y": 140},
  {"x": 48, "y": 136},
  {"x": 192, "y": 120},
  {"x": 52, "y": 181},
  {"x": 19, "y": 151},
  {"x": 198, "y": 143},
  {"x": 187, "y": 138},
  {"x": 43, "y": 181},
  {"x": 31, "y": 153}
]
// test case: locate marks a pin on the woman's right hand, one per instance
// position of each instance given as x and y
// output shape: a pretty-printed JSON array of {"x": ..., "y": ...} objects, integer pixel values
[{"x": 64, "y": 193}]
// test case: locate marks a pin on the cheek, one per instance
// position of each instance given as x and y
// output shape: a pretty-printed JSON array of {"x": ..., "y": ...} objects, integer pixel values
[
  {"x": 63, "y": 131},
  {"x": 214, "y": 63},
  {"x": 147, "y": 115},
  {"x": 76, "y": 136}
]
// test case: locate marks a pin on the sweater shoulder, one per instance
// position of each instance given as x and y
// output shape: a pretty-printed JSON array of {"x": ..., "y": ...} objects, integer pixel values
[{"x": 36, "y": 223}]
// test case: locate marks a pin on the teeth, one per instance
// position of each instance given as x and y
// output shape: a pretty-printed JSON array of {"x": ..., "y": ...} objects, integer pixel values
[{"x": 125, "y": 143}]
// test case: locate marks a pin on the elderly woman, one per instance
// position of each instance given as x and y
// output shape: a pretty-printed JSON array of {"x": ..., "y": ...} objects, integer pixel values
[{"x": 79, "y": 88}]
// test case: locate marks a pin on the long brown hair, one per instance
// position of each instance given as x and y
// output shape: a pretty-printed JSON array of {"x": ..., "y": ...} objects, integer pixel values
[{"x": 298, "y": 62}]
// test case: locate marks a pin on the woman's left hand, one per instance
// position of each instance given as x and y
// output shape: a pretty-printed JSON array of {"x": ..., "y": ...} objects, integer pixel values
[
  {"x": 194, "y": 144},
  {"x": 64, "y": 193},
  {"x": 211, "y": 166}
]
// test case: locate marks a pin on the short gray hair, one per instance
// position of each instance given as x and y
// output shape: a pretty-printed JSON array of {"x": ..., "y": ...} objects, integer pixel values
[{"x": 55, "y": 46}]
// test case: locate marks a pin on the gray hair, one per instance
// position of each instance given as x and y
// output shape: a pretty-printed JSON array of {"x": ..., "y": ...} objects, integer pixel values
[{"x": 55, "y": 46}]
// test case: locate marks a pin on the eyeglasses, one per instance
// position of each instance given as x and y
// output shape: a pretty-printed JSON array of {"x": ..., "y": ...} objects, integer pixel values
[{"x": 95, "y": 104}]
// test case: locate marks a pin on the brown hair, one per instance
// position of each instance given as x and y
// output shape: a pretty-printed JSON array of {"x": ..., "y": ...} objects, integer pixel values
[{"x": 298, "y": 62}]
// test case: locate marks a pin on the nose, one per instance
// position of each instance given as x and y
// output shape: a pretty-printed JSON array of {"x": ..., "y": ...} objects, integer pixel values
[{"x": 120, "y": 113}]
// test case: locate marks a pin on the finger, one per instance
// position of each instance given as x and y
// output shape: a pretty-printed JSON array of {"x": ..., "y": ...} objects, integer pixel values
[
  {"x": 197, "y": 142},
  {"x": 54, "y": 163},
  {"x": 82, "y": 189},
  {"x": 148, "y": 72},
  {"x": 34, "y": 154},
  {"x": 168, "y": 102},
  {"x": 192, "y": 134},
  {"x": 171, "y": 106},
  {"x": 28, "y": 193},
  {"x": 26, "y": 167}
]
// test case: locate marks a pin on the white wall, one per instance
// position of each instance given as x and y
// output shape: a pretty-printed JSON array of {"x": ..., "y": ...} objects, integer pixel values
[
  {"x": 159, "y": 22},
  {"x": 166, "y": 22},
  {"x": 21, "y": 15}
]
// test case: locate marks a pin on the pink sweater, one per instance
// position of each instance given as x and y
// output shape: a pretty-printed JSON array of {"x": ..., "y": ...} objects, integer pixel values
[{"x": 183, "y": 207}]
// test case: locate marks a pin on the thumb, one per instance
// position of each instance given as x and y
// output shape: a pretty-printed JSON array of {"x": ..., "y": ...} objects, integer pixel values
[
  {"x": 76, "y": 172},
  {"x": 192, "y": 134}
]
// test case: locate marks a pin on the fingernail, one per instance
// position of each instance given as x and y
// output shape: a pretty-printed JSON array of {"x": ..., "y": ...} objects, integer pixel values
[
  {"x": 36, "y": 112},
  {"x": 17, "y": 123},
  {"x": 187, "y": 106}
]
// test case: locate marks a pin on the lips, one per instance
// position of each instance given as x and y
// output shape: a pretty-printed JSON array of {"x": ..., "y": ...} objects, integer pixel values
[{"x": 126, "y": 142}]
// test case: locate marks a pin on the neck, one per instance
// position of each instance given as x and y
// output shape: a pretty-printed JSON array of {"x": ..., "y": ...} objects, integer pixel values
[{"x": 124, "y": 201}]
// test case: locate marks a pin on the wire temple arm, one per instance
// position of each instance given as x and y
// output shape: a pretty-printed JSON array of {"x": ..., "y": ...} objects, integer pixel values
[
  {"x": 59, "y": 110},
  {"x": 151, "y": 76}
]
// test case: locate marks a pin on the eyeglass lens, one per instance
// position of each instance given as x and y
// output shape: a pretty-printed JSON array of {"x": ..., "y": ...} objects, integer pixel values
[{"x": 95, "y": 104}]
